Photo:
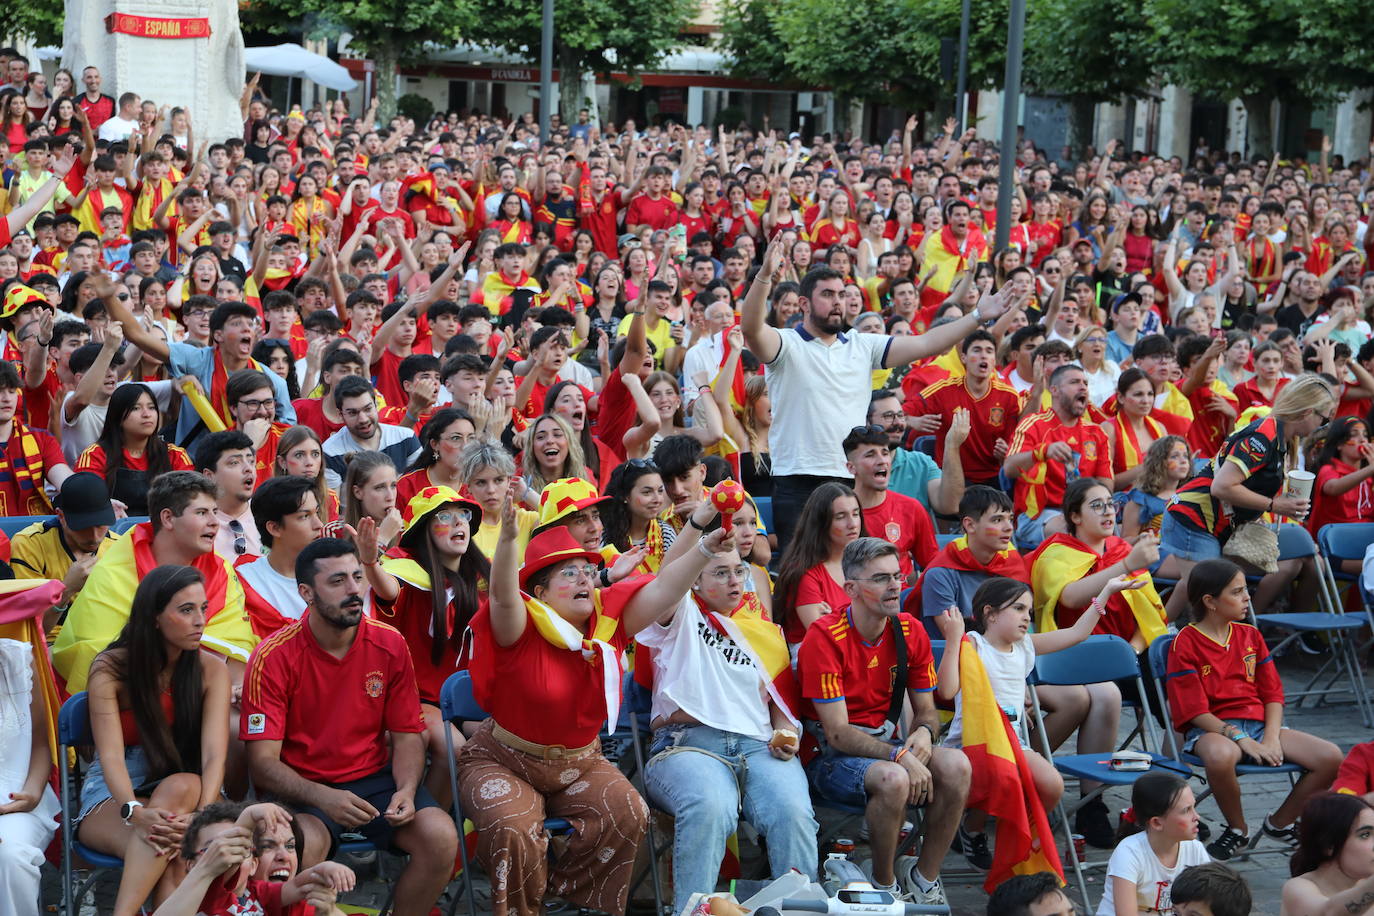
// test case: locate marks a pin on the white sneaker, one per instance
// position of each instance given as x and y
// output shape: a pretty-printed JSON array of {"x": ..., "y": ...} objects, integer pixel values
[{"x": 935, "y": 896}]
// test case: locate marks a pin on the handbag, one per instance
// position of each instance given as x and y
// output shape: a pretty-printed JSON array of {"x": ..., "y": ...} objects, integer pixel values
[{"x": 1256, "y": 543}]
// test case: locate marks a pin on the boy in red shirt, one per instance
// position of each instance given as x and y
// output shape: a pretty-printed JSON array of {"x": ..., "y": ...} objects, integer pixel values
[
  {"x": 897, "y": 519},
  {"x": 360, "y": 768},
  {"x": 848, "y": 664},
  {"x": 221, "y": 844}
]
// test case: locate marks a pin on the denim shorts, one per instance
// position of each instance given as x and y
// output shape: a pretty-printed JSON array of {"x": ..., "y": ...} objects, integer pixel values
[
  {"x": 94, "y": 792},
  {"x": 1253, "y": 728},
  {"x": 1186, "y": 543},
  {"x": 1030, "y": 532}
]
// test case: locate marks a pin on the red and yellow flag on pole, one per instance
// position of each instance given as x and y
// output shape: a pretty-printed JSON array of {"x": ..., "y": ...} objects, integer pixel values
[{"x": 1002, "y": 784}]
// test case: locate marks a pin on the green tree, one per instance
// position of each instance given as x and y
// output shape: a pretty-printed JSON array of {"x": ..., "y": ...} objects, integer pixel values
[
  {"x": 589, "y": 36},
  {"x": 391, "y": 32},
  {"x": 891, "y": 52},
  {"x": 750, "y": 42},
  {"x": 1285, "y": 50},
  {"x": 39, "y": 21},
  {"x": 1089, "y": 51}
]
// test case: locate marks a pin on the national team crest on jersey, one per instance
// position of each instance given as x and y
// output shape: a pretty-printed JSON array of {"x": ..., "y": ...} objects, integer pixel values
[
  {"x": 373, "y": 684},
  {"x": 1250, "y": 657},
  {"x": 892, "y": 531},
  {"x": 995, "y": 416},
  {"x": 1090, "y": 450}
]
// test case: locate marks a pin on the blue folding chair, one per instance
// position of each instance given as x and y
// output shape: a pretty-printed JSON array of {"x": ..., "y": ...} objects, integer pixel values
[
  {"x": 124, "y": 524},
  {"x": 1097, "y": 659},
  {"x": 13, "y": 524},
  {"x": 1339, "y": 627},
  {"x": 765, "y": 507},
  {"x": 458, "y": 704},
  {"x": 942, "y": 539},
  {"x": 1344, "y": 542},
  {"x": 1159, "y": 668},
  {"x": 74, "y": 730}
]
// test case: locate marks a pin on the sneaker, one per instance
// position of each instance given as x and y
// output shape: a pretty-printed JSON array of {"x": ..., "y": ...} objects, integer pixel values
[
  {"x": 1225, "y": 846},
  {"x": 1094, "y": 822},
  {"x": 932, "y": 896},
  {"x": 1286, "y": 835},
  {"x": 974, "y": 847}
]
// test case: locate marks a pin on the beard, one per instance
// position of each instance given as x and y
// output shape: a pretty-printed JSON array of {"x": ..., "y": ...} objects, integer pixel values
[{"x": 344, "y": 616}]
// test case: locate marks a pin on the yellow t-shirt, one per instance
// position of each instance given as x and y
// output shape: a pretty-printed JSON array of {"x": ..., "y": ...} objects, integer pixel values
[
  {"x": 661, "y": 336},
  {"x": 488, "y": 533}
]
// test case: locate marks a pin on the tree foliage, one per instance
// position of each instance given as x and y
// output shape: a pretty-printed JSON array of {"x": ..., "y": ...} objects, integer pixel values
[
  {"x": 750, "y": 41},
  {"x": 890, "y": 52},
  {"x": 1100, "y": 50},
  {"x": 391, "y": 32},
  {"x": 39, "y": 21},
  {"x": 597, "y": 36}
]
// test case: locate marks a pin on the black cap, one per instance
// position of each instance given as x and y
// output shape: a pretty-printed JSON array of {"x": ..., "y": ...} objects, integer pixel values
[{"x": 85, "y": 503}]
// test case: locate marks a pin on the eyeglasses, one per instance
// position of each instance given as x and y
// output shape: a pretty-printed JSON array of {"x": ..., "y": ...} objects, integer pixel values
[
  {"x": 1095, "y": 340},
  {"x": 882, "y": 580},
  {"x": 887, "y": 416},
  {"x": 870, "y": 428},
  {"x": 578, "y": 571},
  {"x": 1324, "y": 419},
  {"x": 726, "y": 573},
  {"x": 1102, "y": 506},
  {"x": 1054, "y": 270},
  {"x": 262, "y": 404},
  {"x": 450, "y": 516},
  {"x": 240, "y": 540},
  {"x": 646, "y": 463}
]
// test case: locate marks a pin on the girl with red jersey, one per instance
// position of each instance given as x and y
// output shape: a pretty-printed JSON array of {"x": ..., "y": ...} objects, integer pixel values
[{"x": 1343, "y": 493}]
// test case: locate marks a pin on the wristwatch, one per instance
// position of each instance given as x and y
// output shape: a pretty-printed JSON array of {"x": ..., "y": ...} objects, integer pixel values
[{"x": 126, "y": 810}]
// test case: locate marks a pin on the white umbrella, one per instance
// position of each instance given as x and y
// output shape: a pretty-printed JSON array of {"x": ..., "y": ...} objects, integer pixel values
[{"x": 291, "y": 60}]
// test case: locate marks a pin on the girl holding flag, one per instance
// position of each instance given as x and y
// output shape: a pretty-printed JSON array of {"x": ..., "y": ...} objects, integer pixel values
[
  {"x": 1006, "y": 651},
  {"x": 539, "y": 755}
]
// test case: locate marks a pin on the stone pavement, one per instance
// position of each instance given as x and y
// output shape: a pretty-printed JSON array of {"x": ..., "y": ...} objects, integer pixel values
[{"x": 1266, "y": 871}]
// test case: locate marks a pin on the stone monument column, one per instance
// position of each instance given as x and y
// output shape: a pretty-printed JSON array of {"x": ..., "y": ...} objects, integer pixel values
[{"x": 174, "y": 52}]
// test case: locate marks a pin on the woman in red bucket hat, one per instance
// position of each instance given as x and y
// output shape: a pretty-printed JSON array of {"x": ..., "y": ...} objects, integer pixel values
[{"x": 546, "y": 665}]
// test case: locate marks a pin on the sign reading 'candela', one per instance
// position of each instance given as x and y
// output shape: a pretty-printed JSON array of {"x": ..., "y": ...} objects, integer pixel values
[{"x": 153, "y": 27}]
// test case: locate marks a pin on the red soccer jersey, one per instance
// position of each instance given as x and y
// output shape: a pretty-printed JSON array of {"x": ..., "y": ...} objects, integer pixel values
[
  {"x": 559, "y": 696},
  {"x": 991, "y": 417},
  {"x": 906, "y": 523},
  {"x": 1356, "y": 775},
  {"x": 377, "y": 214},
  {"x": 816, "y": 586},
  {"x": 356, "y": 214},
  {"x": 835, "y": 663},
  {"x": 656, "y": 214},
  {"x": 262, "y": 898},
  {"x": 368, "y": 692},
  {"x": 1249, "y": 395},
  {"x": 412, "y": 614},
  {"x": 1231, "y": 681},
  {"x": 387, "y": 369},
  {"x": 22, "y": 494},
  {"x": 93, "y": 460},
  {"x": 695, "y": 224},
  {"x": 1042, "y": 484},
  {"x": 39, "y": 402},
  {"x": 615, "y": 413},
  {"x": 310, "y": 412},
  {"x": 1354, "y": 505},
  {"x": 600, "y": 220}
]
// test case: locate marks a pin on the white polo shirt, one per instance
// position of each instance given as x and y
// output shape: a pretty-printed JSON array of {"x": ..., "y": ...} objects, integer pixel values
[{"x": 819, "y": 392}]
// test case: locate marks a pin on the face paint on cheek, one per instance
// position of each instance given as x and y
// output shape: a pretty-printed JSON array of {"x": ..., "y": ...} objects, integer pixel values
[{"x": 441, "y": 530}]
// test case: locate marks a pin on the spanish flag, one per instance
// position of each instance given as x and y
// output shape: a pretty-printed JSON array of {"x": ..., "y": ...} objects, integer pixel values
[
  {"x": 1063, "y": 559},
  {"x": 22, "y": 603},
  {"x": 101, "y": 610},
  {"x": 1175, "y": 413},
  {"x": 1002, "y": 783}
]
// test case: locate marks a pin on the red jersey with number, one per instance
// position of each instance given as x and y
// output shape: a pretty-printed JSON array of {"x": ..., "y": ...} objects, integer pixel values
[
  {"x": 1041, "y": 485},
  {"x": 905, "y": 522},
  {"x": 991, "y": 417},
  {"x": 836, "y": 663},
  {"x": 368, "y": 693},
  {"x": 1231, "y": 680}
]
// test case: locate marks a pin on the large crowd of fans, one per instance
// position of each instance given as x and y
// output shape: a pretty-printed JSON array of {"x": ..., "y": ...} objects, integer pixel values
[{"x": 387, "y": 401}]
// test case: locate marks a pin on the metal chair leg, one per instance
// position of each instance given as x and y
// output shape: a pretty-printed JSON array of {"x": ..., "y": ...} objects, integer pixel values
[{"x": 458, "y": 820}]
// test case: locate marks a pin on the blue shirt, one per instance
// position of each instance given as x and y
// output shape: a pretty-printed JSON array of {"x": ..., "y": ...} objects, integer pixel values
[
  {"x": 1118, "y": 351},
  {"x": 187, "y": 359},
  {"x": 911, "y": 475}
]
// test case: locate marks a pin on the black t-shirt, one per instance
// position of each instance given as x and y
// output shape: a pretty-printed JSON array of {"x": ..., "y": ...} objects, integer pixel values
[{"x": 1295, "y": 319}]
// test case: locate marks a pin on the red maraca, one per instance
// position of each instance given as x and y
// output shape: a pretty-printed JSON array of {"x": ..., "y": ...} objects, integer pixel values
[{"x": 728, "y": 498}]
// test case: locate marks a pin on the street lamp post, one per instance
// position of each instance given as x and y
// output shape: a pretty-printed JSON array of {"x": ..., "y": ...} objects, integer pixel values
[
  {"x": 1011, "y": 104},
  {"x": 545, "y": 72},
  {"x": 961, "y": 83}
]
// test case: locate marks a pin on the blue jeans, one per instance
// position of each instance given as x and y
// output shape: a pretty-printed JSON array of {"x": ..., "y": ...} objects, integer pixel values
[
  {"x": 1030, "y": 532},
  {"x": 1186, "y": 542},
  {"x": 698, "y": 774}
]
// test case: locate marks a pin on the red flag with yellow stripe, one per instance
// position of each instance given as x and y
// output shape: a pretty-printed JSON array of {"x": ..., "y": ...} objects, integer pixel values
[{"x": 1002, "y": 783}]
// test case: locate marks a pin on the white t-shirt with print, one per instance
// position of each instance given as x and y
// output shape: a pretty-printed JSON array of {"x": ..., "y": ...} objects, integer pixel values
[{"x": 1135, "y": 861}]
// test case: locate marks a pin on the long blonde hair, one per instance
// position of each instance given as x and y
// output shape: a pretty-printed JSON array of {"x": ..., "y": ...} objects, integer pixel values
[
  {"x": 573, "y": 466},
  {"x": 755, "y": 387},
  {"x": 289, "y": 440}
]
